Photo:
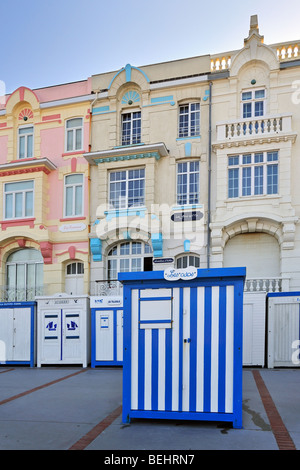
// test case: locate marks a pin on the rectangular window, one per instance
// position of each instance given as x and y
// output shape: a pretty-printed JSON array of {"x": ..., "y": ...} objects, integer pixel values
[
  {"x": 74, "y": 134},
  {"x": 131, "y": 128},
  {"x": 25, "y": 142},
  {"x": 18, "y": 200},
  {"x": 189, "y": 120},
  {"x": 127, "y": 188},
  {"x": 73, "y": 195},
  {"x": 253, "y": 174},
  {"x": 188, "y": 183},
  {"x": 253, "y": 103}
]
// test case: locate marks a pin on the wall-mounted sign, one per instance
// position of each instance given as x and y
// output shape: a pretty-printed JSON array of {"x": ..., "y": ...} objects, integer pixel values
[
  {"x": 186, "y": 216},
  {"x": 72, "y": 227},
  {"x": 184, "y": 274},
  {"x": 106, "y": 301},
  {"x": 163, "y": 260}
]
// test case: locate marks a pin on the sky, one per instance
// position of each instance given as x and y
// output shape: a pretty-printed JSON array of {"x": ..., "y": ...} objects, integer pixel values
[{"x": 49, "y": 42}]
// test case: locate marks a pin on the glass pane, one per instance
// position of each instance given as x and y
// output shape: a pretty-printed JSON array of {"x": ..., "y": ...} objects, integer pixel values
[
  {"x": 8, "y": 206},
  {"x": 76, "y": 122},
  {"x": 247, "y": 95},
  {"x": 272, "y": 179},
  {"x": 124, "y": 265},
  {"x": 258, "y": 180},
  {"x": 125, "y": 248},
  {"x": 31, "y": 277},
  {"x": 259, "y": 94},
  {"x": 78, "y": 200},
  {"x": 25, "y": 130},
  {"x": 39, "y": 275},
  {"x": 18, "y": 186},
  {"x": 246, "y": 181},
  {"x": 29, "y": 204},
  {"x": 259, "y": 108},
  {"x": 233, "y": 182},
  {"x": 136, "y": 248},
  {"x": 28, "y": 254},
  {"x": 29, "y": 146},
  {"x": 247, "y": 110},
  {"x": 22, "y": 147},
  {"x": 112, "y": 269},
  {"x": 69, "y": 201},
  {"x": 74, "y": 179},
  {"x": 136, "y": 264},
  {"x": 78, "y": 139},
  {"x": 69, "y": 140},
  {"x": 19, "y": 205}
]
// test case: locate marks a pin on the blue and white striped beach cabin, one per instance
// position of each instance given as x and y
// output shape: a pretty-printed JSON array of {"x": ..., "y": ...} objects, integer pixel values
[{"x": 183, "y": 345}]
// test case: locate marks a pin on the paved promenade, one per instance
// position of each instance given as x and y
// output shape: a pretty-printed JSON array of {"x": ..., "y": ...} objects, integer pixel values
[{"x": 70, "y": 408}]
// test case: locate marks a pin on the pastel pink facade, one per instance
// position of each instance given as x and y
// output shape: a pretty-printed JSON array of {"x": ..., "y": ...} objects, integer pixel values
[{"x": 44, "y": 189}]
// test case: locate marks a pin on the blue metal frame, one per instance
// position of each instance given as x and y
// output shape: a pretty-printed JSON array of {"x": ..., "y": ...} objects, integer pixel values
[
  {"x": 32, "y": 306},
  {"x": 207, "y": 278},
  {"x": 94, "y": 362}
]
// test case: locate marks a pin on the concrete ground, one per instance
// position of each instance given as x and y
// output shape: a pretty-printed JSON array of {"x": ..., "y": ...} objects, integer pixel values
[{"x": 61, "y": 408}]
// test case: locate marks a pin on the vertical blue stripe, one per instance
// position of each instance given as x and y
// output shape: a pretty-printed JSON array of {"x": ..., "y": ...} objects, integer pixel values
[
  {"x": 61, "y": 336},
  {"x": 207, "y": 349},
  {"x": 168, "y": 384},
  {"x": 180, "y": 349},
  {"x": 114, "y": 315},
  {"x": 193, "y": 348},
  {"x": 154, "y": 372},
  {"x": 222, "y": 349},
  {"x": 238, "y": 354},
  {"x": 141, "y": 370}
]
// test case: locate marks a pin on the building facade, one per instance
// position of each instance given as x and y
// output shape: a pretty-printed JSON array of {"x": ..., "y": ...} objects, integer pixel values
[
  {"x": 195, "y": 162},
  {"x": 44, "y": 191}
]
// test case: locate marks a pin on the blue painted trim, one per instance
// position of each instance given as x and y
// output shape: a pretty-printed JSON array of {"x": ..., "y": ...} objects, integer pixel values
[
  {"x": 127, "y": 68},
  {"x": 222, "y": 348},
  {"x": 189, "y": 138},
  {"x": 168, "y": 365},
  {"x": 188, "y": 149},
  {"x": 32, "y": 305},
  {"x": 116, "y": 213},
  {"x": 207, "y": 349},
  {"x": 186, "y": 245},
  {"x": 154, "y": 371},
  {"x": 161, "y": 100},
  {"x": 216, "y": 273},
  {"x": 157, "y": 244},
  {"x": 180, "y": 349},
  {"x": 182, "y": 415},
  {"x": 283, "y": 294},
  {"x": 114, "y": 361},
  {"x": 126, "y": 355},
  {"x": 187, "y": 207},
  {"x": 193, "y": 348},
  {"x": 96, "y": 249},
  {"x": 135, "y": 156}
]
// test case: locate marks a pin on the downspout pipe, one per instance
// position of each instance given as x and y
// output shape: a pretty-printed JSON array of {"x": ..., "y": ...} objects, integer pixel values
[{"x": 209, "y": 179}]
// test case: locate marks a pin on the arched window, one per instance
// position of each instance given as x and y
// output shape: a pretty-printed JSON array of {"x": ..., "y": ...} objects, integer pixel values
[
  {"x": 188, "y": 260},
  {"x": 24, "y": 275},
  {"x": 127, "y": 257}
]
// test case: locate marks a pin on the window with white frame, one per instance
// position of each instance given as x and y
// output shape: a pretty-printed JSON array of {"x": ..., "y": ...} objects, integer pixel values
[
  {"x": 131, "y": 128},
  {"x": 74, "y": 134},
  {"x": 18, "y": 199},
  {"x": 188, "y": 182},
  {"x": 25, "y": 142},
  {"x": 253, "y": 174},
  {"x": 184, "y": 261},
  {"x": 127, "y": 188},
  {"x": 73, "y": 195},
  {"x": 189, "y": 120},
  {"x": 127, "y": 257},
  {"x": 24, "y": 275},
  {"x": 253, "y": 103}
]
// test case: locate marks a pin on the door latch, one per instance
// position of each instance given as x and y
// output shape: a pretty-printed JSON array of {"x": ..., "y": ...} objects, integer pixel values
[{"x": 187, "y": 340}]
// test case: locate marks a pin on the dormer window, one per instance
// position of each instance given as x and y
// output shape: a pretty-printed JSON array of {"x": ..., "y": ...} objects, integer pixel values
[
  {"x": 131, "y": 128},
  {"x": 25, "y": 142},
  {"x": 253, "y": 103}
]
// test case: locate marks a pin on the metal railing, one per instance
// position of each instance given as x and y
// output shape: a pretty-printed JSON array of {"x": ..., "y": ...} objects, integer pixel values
[
  {"x": 14, "y": 294},
  {"x": 106, "y": 288}
]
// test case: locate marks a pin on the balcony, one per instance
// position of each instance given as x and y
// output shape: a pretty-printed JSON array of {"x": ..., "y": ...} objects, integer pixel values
[
  {"x": 267, "y": 284},
  {"x": 261, "y": 129},
  {"x": 106, "y": 288}
]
